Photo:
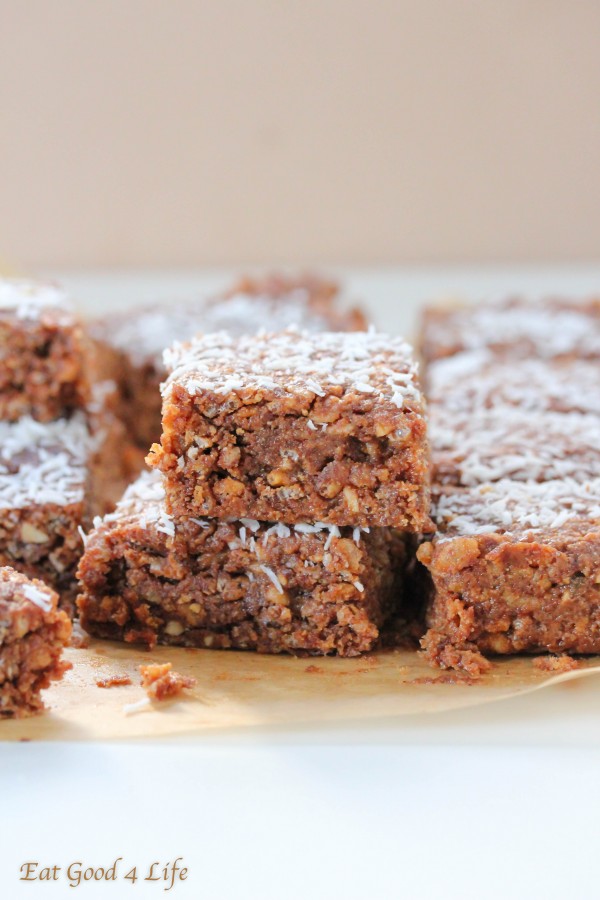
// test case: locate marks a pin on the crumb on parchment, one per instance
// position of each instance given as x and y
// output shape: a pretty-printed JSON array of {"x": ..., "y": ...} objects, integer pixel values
[
  {"x": 113, "y": 681},
  {"x": 557, "y": 664},
  {"x": 161, "y": 682}
]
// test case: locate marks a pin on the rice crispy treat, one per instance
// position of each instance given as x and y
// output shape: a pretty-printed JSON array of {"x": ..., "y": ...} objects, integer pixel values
[
  {"x": 296, "y": 427},
  {"x": 515, "y": 567},
  {"x": 33, "y": 633},
  {"x": 548, "y": 328},
  {"x": 52, "y": 480},
  {"x": 42, "y": 353},
  {"x": 130, "y": 345},
  {"x": 308, "y": 588}
]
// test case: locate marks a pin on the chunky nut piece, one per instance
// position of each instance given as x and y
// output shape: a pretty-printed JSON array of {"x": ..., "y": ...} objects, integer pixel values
[
  {"x": 278, "y": 477},
  {"x": 32, "y": 535},
  {"x": 351, "y": 498},
  {"x": 384, "y": 428},
  {"x": 229, "y": 487},
  {"x": 229, "y": 457}
]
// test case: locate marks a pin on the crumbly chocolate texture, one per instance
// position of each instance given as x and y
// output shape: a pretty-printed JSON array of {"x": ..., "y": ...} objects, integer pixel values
[
  {"x": 53, "y": 478},
  {"x": 43, "y": 352},
  {"x": 130, "y": 345},
  {"x": 296, "y": 427},
  {"x": 242, "y": 584},
  {"x": 550, "y": 328},
  {"x": 515, "y": 567},
  {"x": 33, "y": 633}
]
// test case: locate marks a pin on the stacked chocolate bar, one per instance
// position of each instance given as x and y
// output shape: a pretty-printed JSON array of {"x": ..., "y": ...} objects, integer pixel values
[
  {"x": 514, "y": 393},
  {"x": 291, "y": 467},
  {"x": 53, "y": 431}
]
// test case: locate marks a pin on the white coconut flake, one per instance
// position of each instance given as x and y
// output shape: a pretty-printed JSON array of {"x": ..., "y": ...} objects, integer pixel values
[
  {"x": 38, "y": 596},
  {"x": 201, "y": 522},
  {"x": 131, "y": 708},
  {"x": 251, "y": 524},
  {"x": 334, "y": 532},
  {"x": 272, "y": 577}
]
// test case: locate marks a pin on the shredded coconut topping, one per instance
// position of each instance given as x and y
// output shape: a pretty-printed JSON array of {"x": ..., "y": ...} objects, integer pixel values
[
  {"x": 508, "y": 506},
  {"x": 544, "y": 328},
  {"x": 479, "y": 379},
  {"x": 292, "y": 361},
  {"x": 44, "y": 462},
  {"x": 39, "y": 596},
  {"x": 29, "y": 299},
  {"x": 504, "y": 442},
  {"x": 145, "y": 333}
]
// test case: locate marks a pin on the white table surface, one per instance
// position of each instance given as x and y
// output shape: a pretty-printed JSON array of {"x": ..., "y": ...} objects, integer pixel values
[{"x": 481, "y": 803}]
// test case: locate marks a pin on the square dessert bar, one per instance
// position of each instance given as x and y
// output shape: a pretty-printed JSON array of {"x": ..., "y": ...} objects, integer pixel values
[
  {"x": 52, "y": 477},
  {"x": 130, "y": 345},
  {"x": 313, "y": 588},
  {"x": 514, "y": 567},
  {"x": 42, "y": 353},
  {"x": 296, "y": 427},
  {"x": 33, "y": 633},
  {"x": 549, "y": 328}
]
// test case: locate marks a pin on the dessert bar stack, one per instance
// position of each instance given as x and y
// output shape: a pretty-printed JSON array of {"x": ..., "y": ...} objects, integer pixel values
[
  {"x": 291, "y": 467},
  {"x": 53, "y": 433},
  {"x": 514, "y": 392},
  {"x": 130, "y": 345}
]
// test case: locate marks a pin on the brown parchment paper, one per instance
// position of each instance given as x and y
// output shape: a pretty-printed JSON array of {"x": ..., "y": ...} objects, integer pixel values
[{"x": 244, "y": 690}]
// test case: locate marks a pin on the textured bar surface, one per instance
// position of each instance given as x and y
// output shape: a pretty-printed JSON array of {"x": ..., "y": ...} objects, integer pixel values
[
  {"x": 42, "y": 353},
  {"x": 296, "y": 427},
  {"x": 33, "y": 633},
  {"x": 515, "y": 567},
  {"x": 240, "y": 584}
]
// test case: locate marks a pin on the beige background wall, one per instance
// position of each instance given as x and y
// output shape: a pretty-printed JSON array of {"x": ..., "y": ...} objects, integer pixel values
[{"x": 221, "y": 131}]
